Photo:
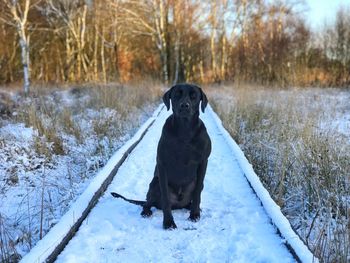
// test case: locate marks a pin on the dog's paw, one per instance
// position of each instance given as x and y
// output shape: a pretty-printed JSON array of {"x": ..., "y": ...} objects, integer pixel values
[
  {"x": 146, "y": 213},
  {"x": 194, "y": 217},
  {"x": 170, "y": 225}
]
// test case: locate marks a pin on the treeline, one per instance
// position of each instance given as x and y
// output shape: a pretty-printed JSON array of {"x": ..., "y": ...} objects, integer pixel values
[{"x": 267, "y": 42}]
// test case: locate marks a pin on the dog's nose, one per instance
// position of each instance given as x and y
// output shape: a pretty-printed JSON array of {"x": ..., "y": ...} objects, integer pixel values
[{"x": 184, "y": 105}]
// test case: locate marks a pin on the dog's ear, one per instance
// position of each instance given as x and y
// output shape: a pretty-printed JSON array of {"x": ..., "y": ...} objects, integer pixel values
[
  {"x": 166, "y": 98},
  {"x": 204, "y": 100}
]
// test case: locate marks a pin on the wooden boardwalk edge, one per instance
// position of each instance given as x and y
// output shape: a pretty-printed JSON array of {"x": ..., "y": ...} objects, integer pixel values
[
  {"x": 293, "y": 241},
  {"x": 47, "y": 249}
]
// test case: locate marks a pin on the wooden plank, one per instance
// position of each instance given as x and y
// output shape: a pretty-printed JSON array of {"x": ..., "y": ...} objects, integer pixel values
[
  {"x": 49, "y": 249},
  {"x": 52, "y": 257},
  {"x": 293, "y": 241}
]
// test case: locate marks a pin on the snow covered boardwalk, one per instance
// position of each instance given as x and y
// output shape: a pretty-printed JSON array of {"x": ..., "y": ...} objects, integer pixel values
[{"x": 234, "y": 226}]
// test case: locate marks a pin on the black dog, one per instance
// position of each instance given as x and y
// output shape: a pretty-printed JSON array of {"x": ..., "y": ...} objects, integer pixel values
[{"x": 182, "y": 157}]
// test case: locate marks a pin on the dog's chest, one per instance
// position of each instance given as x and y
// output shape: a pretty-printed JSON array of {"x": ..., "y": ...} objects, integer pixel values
[{"x": 183, "y": 153}]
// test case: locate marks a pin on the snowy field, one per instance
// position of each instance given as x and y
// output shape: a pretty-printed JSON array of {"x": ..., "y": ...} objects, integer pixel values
[
  {"x": 234, "y": 226},
  {"x": 37, "y": 183},
  {"x": 298, "y": 141}
]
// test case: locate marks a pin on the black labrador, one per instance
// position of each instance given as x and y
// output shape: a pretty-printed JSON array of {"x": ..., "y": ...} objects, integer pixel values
[{"x": 182, "y": 157}]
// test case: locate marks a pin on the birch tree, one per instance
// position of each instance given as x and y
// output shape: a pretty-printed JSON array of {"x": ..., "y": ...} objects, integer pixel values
[
  {"x": 177, "y": 35},
  {"x": 223, "y": 41},
  {"x": 150, "y": 18},
  {"x": 68, "y": 18},
  {"x": 15, "y": 13},
  {"x": 161, "y": 23},
  {"x": 213, "y": 22}
]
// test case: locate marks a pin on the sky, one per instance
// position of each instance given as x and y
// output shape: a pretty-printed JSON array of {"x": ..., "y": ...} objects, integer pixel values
[{"x": 320, "y": 11}]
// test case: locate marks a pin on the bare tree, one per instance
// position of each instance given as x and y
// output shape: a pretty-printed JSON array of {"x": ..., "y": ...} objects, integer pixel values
[
  {"x": 15, "y": 13},
  {"x": 342, "y": 44},
  {"x": 177, "y": 36},
  {"x": 213, "y": 23},
  {"x": 150, "y": 17},
  {"x": 175, "y": 40},
  {"x": 161, "y": 22},
  {"x": 68, "y": 18},
  {"x": 223, "y": 40}
]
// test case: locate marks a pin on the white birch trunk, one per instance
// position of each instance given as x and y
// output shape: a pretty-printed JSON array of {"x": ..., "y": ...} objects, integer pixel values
[
  {"x": 164, "y": 50},
  {"x": 82, "y": 41},
  {"x": 103, "y": 61},
  {"x": 176, "y": 16},
  {"x": 212, "y": 39},
  {"x": 177, "y": 59},
  {"x": 96, "y": 77},
  {"x": 20, "y": 16},
  {"x": 161, "y": 36},
  {"x": 223, "y": 57},
  {"x": 25, "y": 62}
]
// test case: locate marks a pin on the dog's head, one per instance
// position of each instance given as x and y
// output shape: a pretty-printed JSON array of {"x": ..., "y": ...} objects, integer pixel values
[{"x": 185, "y": 99}]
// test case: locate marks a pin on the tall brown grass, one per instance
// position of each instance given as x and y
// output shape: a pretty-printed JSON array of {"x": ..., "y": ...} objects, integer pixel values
[
  {"x": 46, "y": 114},
  {"x": 86, "y": 124},
  {"x": 290, "y": 138}
]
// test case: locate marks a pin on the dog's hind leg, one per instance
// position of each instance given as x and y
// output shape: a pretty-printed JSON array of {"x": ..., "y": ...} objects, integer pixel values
[
  {"x": 146, "y": 211},
  {"x": 153, "y": 198}
]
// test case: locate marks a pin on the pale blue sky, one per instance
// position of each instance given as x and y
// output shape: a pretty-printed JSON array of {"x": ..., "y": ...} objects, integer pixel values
[{"x": 321, "y": 10}]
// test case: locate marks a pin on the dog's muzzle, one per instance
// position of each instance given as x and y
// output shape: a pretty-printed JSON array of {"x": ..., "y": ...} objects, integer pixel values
[
  {"x": 185, "y": 105},
  {"x": 185, "y": 108}
]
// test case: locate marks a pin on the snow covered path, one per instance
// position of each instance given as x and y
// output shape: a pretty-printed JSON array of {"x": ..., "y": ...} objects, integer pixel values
[{"x": 234, "y": 226}]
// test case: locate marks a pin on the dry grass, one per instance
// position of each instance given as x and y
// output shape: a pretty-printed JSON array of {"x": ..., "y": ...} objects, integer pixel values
[
  {"x": 76, "y": 130},
  {"x": 46, "y": 114},
  {"x": 302, "y": 159}
]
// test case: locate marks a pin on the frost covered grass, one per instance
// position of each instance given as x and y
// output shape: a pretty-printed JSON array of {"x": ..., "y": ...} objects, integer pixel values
[
  {"x": 298, "y": 141},
  {"x": 51, "y": 144}
]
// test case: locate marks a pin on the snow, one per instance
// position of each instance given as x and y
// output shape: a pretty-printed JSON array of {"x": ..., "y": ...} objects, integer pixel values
[
  {"x": 234, "y": 226},
  {"x": 272, "y": 209},
  {"x": 38, "y": 183},
  {"x": 45, "y": 246},
  {"x": 342, "y": 124}
]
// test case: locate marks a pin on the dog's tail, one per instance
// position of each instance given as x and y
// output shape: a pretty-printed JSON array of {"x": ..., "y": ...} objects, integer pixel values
[{"x": 135, "y": 202}]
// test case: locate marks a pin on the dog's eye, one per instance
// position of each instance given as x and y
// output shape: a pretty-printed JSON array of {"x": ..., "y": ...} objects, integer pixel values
[
  {"x": 193, "y": 95},
  {"x": 178, "y": 93}
]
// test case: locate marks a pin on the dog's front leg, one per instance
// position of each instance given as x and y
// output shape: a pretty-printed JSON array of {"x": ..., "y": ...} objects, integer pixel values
[
  {"x": 168, "y": 220},
  {"x": 196, "y": 196}
]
